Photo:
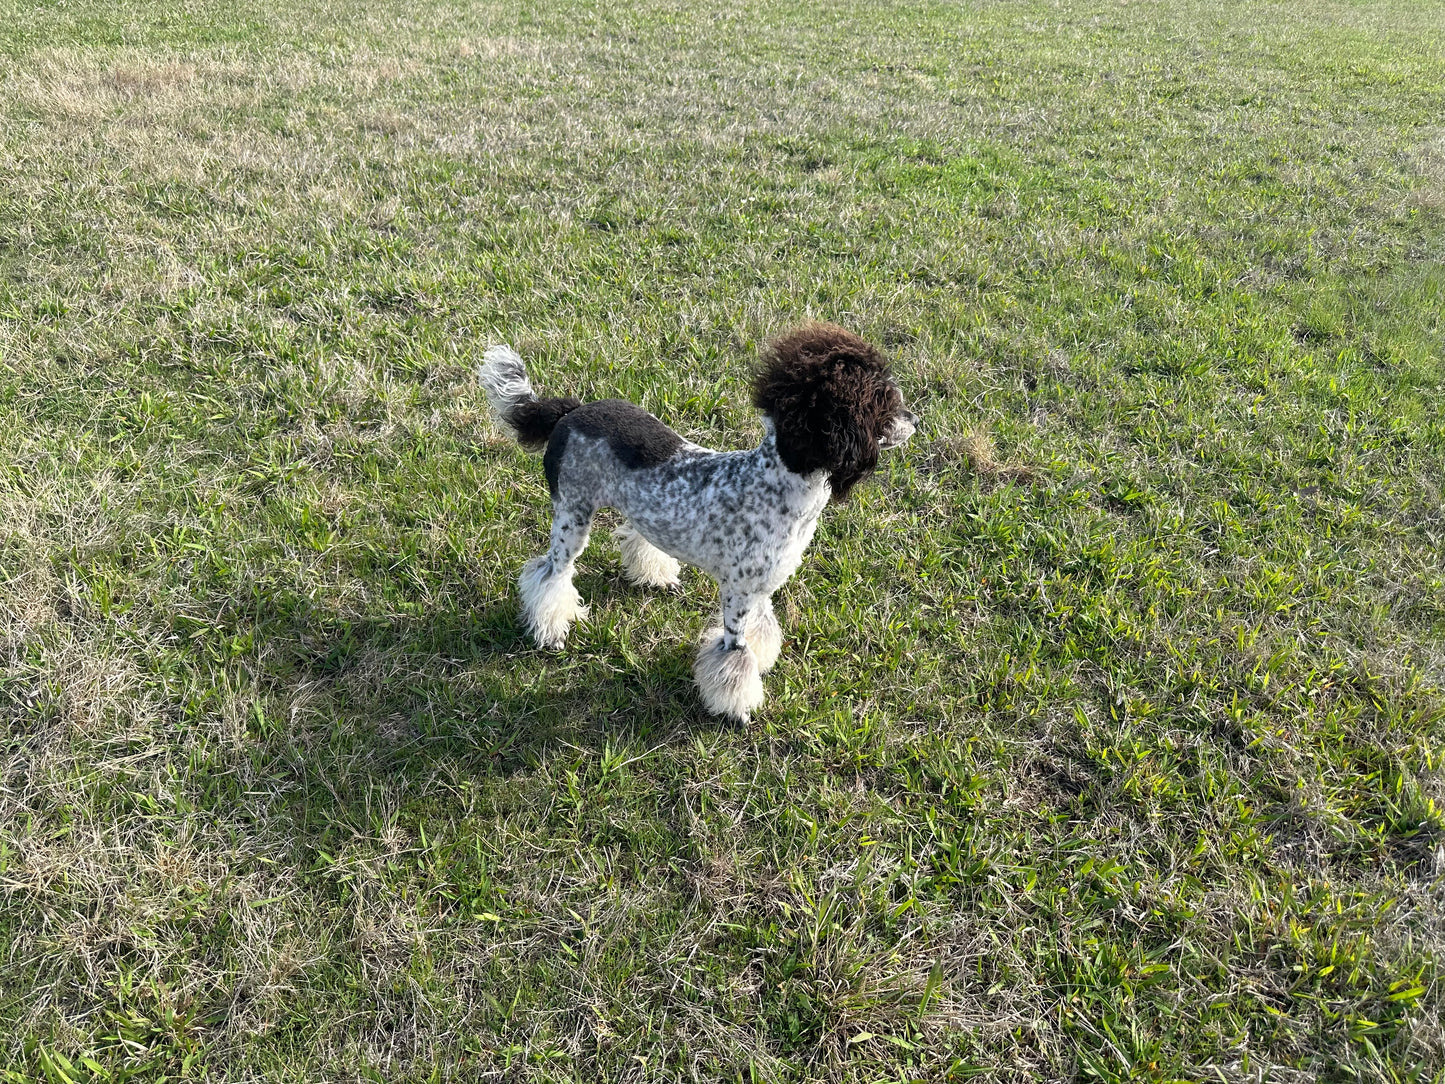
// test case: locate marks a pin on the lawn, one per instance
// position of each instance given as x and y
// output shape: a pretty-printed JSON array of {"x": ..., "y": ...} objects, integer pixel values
[{"x": 1108, "y": 737}]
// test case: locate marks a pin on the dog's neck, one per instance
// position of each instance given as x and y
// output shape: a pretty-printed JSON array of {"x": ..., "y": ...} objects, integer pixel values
[{"x": 770, "y": 464}]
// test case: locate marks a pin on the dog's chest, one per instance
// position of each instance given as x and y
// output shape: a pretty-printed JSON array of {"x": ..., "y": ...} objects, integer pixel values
[{"x": 790, "y": 554}]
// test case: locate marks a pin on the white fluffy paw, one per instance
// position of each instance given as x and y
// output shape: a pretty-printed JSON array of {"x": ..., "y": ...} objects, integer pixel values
[
  {"x": 642, "y": 562},
  {"x": 765, "y": 639},
  {"x": 728, "y": 679},
  {"x": 549, "y": 602}
]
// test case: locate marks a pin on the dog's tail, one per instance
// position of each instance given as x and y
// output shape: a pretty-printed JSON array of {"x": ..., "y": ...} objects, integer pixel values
[{"x": 531, "y": 419}]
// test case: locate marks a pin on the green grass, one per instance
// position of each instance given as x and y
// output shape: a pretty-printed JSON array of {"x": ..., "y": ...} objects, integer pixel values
[{"x": 1107, "y": 738}]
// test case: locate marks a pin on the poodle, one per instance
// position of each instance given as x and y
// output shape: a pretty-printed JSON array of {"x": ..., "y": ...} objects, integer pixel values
[{"x": 829, "y": 407}]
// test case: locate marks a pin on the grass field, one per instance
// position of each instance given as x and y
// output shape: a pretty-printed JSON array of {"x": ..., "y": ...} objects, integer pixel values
[{"x": 1107, "y": 738}]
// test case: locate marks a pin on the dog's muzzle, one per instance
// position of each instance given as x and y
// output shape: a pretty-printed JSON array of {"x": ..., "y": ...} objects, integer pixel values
[{"x": 900, "y": 429}]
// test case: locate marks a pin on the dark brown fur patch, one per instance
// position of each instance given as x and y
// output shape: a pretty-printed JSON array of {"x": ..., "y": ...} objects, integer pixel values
[
  {"x": 637, "y": 438},
  {"x": 830, "y": 397},
  {"x": 534, "y": 421}
]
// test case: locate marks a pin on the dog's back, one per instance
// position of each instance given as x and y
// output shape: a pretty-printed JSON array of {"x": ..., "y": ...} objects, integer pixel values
[{"x": 634, "y": 436}]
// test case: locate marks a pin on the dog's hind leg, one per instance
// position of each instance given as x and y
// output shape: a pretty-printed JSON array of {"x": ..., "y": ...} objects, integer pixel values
[
  {"x": 642, "y": 562},
  {"x": 728, "y": 673},
  {"x": 549, "y": 601}
]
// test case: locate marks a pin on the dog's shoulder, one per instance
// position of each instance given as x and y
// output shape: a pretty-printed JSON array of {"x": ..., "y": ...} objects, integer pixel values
[{"x": 635, "y": 437}]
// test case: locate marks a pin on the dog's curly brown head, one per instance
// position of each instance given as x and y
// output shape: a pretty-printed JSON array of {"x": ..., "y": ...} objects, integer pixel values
[{"x": 832, "y": 402}]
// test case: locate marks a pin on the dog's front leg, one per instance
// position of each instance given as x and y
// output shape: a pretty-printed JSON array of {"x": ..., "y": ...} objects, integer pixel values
[
  {"x": 765, "y": 635},
  {"x": 728, "y": 672}
]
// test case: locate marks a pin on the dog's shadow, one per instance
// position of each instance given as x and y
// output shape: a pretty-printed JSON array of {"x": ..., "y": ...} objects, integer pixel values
[{"x": 455, "y": 692}]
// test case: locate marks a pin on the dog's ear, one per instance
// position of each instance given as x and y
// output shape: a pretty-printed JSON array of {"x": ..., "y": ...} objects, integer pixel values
[{"x": 829, "y": 396}]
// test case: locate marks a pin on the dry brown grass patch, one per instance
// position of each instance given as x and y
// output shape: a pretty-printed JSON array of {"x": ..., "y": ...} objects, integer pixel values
[
  {"x": 975, "y": 452},
  {"x": 77, "y": 86},
  {"x": 1429, "y": 160}
]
